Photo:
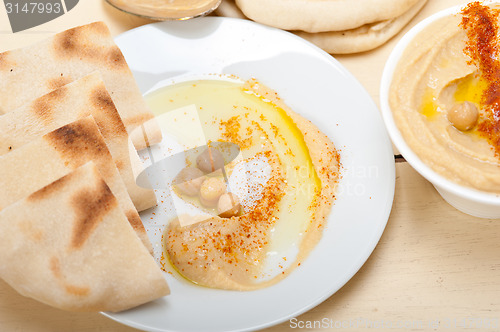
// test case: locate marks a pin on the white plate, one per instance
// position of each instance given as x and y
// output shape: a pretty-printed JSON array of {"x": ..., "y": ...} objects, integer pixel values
[{"x": 313, "y": 84}]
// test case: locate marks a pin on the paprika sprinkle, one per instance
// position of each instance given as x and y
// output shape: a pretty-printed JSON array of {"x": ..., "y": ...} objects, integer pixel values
[{"x": 481, "y": 25}]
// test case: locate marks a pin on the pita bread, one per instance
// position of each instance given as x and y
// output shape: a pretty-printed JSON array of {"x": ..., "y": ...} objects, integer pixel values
[
  {"x": 228, "y": 8},
  {"x": 363, "y": 38},
  {"x": 54, "y": 155},
  {"x": 70, "y": 246},
  {"x": 322, "y": 15},
  {"x": 84, "y": 97},
  {"x": 33, "y": 71}
]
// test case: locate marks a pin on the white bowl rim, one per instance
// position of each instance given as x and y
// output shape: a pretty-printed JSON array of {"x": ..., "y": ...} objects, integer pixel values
[{"x": 422, "y": 168}]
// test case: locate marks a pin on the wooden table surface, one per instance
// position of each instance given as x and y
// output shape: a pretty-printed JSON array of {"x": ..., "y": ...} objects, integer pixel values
[{"x": 434, "y": 268}]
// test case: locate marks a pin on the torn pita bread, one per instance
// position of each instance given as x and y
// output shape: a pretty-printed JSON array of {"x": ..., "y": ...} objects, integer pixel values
[
  {"x": 33, "y": 71},
  {"x": 49, "y": 157},
  {"x": 360, "y": 39},
  {"x": 69, "y": 245},
  {"x": 322, "y": 15},
  {"x": 363, "y": 38},
  {"x": 76, "y": 100}
]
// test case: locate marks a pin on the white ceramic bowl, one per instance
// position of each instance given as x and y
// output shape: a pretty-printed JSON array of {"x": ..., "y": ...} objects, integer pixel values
[{"x": 468, "y": 200}]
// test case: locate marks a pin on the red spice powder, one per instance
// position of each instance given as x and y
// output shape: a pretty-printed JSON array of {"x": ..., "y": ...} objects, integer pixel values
[{"x": 481, "y": 25}]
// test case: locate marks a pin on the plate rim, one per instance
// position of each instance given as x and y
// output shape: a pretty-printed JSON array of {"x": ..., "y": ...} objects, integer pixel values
[{"x": 384, "y": 213}]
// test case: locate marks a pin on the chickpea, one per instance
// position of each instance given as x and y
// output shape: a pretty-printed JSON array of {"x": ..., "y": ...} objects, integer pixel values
[
  {"x": 229, "y": 205},
  {"x": 210, "y": 160},
  {"x": 463, "y": 116},
  {"x": 211, "y": 190},
  {"x": 189, "y": 181}
]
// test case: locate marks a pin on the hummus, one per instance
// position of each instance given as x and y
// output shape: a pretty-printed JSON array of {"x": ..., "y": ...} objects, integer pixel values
[
  {"x": 437, "y": 72},
  {"x": 277, "y": 227}
]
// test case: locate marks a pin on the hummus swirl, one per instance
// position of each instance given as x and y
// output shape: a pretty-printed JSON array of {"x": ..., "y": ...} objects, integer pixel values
[
  {"x": 233, "y": 253},
  {"x": 433, "y": 75}
]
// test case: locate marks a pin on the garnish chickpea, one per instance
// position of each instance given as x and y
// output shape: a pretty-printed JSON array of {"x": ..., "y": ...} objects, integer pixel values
[
  {"x": 210, "y": 160},
  {"x": 463, "y": 116},
  {"x": 189, "y": 181},
  {"x": 211, "y": 190},
  {"x": 229, "y": 205}
]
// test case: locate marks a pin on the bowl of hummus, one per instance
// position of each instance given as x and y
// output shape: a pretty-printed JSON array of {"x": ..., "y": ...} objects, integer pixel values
[{"x": 440, "y": 100}]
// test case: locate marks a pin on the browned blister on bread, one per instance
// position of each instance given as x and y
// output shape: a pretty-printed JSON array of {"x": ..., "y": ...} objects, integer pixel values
[
  {"x": 33, "y": 71},
  {"x": 79, "y": 99},
  {"x": 44, "y": 160}
]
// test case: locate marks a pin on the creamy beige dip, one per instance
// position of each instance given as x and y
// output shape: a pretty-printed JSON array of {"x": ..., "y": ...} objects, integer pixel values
[
  {"x": 432, "y": 76},
  {"x": 231, "y": 253}
]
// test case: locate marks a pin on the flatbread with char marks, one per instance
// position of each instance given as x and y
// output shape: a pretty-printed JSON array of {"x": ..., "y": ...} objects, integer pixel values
[
  {"x": 76, "y": 100},
  {"x": 69, "y": 245},
  {"x": 30, "y": 72},
  {"x": 48, "y": 158}
]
